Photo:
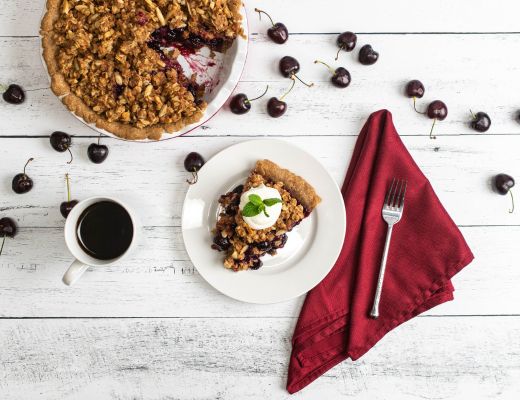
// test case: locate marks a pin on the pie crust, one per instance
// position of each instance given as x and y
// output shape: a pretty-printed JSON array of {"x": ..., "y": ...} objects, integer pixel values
[{"x": 108, "y": 65}]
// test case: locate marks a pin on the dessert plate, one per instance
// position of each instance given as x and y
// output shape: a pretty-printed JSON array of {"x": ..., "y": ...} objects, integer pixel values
[
  {"x": 220, "y": 74},
  {"x": 312, "y": 247}
]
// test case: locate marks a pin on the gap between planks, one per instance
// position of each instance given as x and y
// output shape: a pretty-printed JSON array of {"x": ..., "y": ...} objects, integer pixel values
[
  {"x": 248, "y": 317},
  {"x": 333, "y": 33}
]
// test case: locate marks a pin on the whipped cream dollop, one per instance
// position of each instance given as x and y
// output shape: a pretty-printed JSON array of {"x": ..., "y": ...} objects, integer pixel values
[{"x": 262, "y": 221}]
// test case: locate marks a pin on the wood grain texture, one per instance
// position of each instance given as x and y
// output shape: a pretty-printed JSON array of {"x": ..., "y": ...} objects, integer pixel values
[
  {"x": 158, "y": 280},
  {"x": 304, "y": 17},
  {"x": 152, "y": 175},
  {"x": 428, "y": 358},
  {"x": 193, "y": 343},
  {"x": 459, "y": 76}
]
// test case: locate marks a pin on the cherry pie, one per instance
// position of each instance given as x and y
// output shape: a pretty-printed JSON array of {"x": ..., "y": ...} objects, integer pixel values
[{"x": 114, "y": 62}]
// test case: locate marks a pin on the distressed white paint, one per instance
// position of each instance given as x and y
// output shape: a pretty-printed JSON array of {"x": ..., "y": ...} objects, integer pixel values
[
  {"x": 211, "y": 347},
  {"x": 153, "y": 177},
  {"x": 246, "y": 358},
  {"x": 333, "y": 16},
  {"x": 159, "y": 280}
]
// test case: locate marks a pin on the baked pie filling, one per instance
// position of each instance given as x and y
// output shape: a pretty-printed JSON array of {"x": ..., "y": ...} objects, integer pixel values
[
  {"x": 243, "y": 245},
  {"x": 114, "y": 62}
]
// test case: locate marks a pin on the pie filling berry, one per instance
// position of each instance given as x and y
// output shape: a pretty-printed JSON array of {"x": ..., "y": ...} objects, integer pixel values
[{"x": 244, "y": 246}]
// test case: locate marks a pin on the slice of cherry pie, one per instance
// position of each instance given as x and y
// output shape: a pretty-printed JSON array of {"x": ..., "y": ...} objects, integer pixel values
[{"x": 256, "y": 217}]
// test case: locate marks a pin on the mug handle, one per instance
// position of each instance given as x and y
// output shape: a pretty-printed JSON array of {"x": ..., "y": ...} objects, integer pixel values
[{"x": 76, "y": 269}]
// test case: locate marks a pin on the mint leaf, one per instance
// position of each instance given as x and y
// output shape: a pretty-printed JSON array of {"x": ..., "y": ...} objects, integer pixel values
[
  {"x": 255, "y": 199},
  {"x": 250, "y": 210},
  {"x": 271, "y": 202}
]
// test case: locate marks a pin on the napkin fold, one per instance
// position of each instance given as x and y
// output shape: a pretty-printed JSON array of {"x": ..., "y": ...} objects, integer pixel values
[{"x": 426, "y": 251}]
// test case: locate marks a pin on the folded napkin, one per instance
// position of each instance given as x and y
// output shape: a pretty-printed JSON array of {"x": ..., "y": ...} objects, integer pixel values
[{"x": 426, "y": 251}]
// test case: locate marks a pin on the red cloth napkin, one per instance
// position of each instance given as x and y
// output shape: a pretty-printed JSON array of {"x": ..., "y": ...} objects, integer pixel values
[{"x": 426, "y": 251}]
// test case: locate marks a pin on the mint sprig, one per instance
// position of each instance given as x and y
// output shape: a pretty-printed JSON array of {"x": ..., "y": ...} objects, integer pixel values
[{"x": 256, "y": 205}]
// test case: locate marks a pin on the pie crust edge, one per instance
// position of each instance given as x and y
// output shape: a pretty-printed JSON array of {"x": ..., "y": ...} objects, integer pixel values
[{"x": 296, "y": 185}]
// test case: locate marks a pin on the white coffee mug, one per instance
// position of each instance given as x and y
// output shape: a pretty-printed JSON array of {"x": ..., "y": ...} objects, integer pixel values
[{"x": 83, "y": 260}]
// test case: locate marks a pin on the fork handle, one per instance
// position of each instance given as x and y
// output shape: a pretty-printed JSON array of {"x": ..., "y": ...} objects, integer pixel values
[{"x": 375, "y": 308}]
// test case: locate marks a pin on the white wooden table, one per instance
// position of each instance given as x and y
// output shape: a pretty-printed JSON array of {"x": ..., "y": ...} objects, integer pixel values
[{"x": 151, "y": 328}]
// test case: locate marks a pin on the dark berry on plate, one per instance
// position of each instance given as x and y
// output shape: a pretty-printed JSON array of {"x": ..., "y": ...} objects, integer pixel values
[
  {"x": 277, "y": 32},
  {"x": 289, "y": 67},
  {"x": 61, "y": 142},
  {"x": 220, "y": 243},
  {"x": 14, "y": 94},
  {"x": 257, "y": 264},
  {"x": 240, "y": 104},
  {"x": 367, "y": 55},
  {"x": 481, "y": 121},
  {"x": 264, "y": 246},
  {"x": 238, "y": 189},
  {"x": 97, "y": 153},
  {"x": 21, "y": 182},
  {"x": 67, "y": 206},
  {"x": 438, "y": 111},
  {"x": 503, "y": 184},
  {"x": 346, "y": 41},
  {"x": 193, "y": 163},
  {"x": 8, "y": 229},
  {"x": 340, "y": 76},
  {"x": 283, "y": 240}
]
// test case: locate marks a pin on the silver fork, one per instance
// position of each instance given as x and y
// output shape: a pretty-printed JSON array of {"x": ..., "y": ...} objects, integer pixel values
[{"x": 392, "y": 213}]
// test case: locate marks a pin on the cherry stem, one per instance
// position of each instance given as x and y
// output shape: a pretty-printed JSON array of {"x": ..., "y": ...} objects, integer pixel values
[
  {"x": 28, "y": 161},
  {"x": 415, "y": 108},
  {"x": 260, "y": 12},
  {"x": 2, "y": 247},
  {"x": 289, "y": 91},
  {"x": 512, "y": 203},
  {"x": 68, "y": 187},
  {"x": 71, "y": 156},
  {"x": 98, "y": 139},
  {"x": 431, "y": 130},
  {"x": 194, "y": 180},
  {"x": 3, "y": 88},
  {"x": 327, "y": 65},
  {"x": 305, "y": 83},
  {"x": 337, "y": 54},
  {"x": 262, "y": 95},
  {"x": 473, "y": 115}
]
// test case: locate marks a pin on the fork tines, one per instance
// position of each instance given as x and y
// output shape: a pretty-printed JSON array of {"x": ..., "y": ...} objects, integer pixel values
[{"x": 395, "y": 195}]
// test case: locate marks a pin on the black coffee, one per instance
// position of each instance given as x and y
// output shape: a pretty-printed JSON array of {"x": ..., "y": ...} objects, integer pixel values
[{"x": 105, "y": 230}]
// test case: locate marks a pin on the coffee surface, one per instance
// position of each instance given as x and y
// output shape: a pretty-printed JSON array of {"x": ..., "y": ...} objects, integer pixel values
[{"x": 105, "y": 230}]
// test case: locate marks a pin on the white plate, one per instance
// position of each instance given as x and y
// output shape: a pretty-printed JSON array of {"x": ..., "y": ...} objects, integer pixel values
[
  {"x": 312, "y": 247},
  {"x": 221, "y": 79}
]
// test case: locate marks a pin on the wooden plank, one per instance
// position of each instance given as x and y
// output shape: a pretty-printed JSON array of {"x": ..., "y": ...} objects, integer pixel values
[
  {"x": 19, "y": 18},
  {"x": 457, "y": 75},
  {"x": 460, "y": 171},
  {"x": 149, "y": 359},
  {"x": 158, "y": 280}
]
